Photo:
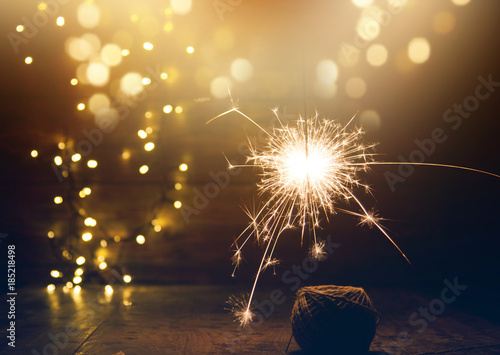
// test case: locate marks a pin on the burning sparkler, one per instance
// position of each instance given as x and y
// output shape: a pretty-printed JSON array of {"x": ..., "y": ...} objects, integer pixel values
[{"x": 305, "y": 170}]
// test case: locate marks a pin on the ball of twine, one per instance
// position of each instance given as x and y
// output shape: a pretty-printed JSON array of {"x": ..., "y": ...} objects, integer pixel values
[{"x": 334, "y": 319}]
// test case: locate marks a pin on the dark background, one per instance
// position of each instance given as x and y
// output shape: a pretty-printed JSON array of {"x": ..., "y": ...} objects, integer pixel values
[{"x": 445, "y": 220}]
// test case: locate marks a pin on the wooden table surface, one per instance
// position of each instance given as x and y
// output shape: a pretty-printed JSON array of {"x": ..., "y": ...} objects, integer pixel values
[{"x": 192, "y": 319}]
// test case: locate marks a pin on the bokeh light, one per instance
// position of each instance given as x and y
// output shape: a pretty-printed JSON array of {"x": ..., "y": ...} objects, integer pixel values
[
  {"x": 181, "y": 7},
  {"x": 131, "y": 83},
  {"x": 443, "y": 22},
  {"x": 80, "y": 260},
  {"x": 241, "y": 70},
  {"x": 183, "y": 167},
  {"x": 376, "y": 55},
  {"x": 127, "y": 278},
  {"x": 34, "y": 153},
  {"x": 327, "y": 71},
  {"x": 98, "y": 73},
  {"x": 140, "y": 239},
  {"x": 148, "y": 46},
  {"x": 28, "y": 60},
  {"x": 144, "y": 169},
  {"x": 167, "y": 108},
  {"x": 370, "y": 120},
  {"x": 177, "y": 204},
  {"x": 460, "y": 2},
  {"x": 149, "y": 146},
  {"x": 88, "y": 15},
  {"x": 58, "y": 200},
  {"x": 190, "y": 49},
  {"x": 220, "y": 86},
  {"x": 98, "y": 102},
  {"x": 111, "y": 54},
  {"x": 60, "y": 21},
  {"x": 368, "y": 28},
  {"x": 355, "y": 87},
  {"x": 86, "y": 236},
  {"x": 419, "y": 50},
  {"x": 362, "y": 3},
  {"x": 92, "y": 164}
]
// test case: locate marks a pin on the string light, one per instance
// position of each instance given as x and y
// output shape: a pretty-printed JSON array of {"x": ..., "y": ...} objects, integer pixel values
[
  {"x": 143, "y": 169},
  {"x": 51, "y": 287},
  {"x": 167, "y": 108},
  {"x": 19, "y": 28},
  {"x": 149, "y": 146},
  {"x": 80, "y": 106},
  {"x": 183, "y": 167},
  {"x": 76, "y": 157},
  {"x": 34, "y": 153},
  {"x": 127, "y": 278},
  {"x": 103, "y": 265},
  {"x": 50, "y": 234},
  {"x": 87, "y": 236},
  {"x": 28, "y": 60},
  {"x": 163, "y": 76},
  {"x": 77, "y": 280},
  {"x": 79, "y": 272},
  {"x": 60, "y": 21},
  {"x": 178, "y": 186},
  {"x": 92, "y": 164},
  {"x": 108, "y": 289},
  {"x": 142, "y": 134},
  {"x": 55, "y": 274},
  {"x": 177, "y": 204},
  {"x": 58, "y": 200},
  {"x": 178, "y": 109},
  {"x": 190, "y": 49},
  {"x": 80, "y": 260},
  {"x": 74, "y": 81},
  {"x": 61, "y": 145},
  {"x": 148, "y": 46}
]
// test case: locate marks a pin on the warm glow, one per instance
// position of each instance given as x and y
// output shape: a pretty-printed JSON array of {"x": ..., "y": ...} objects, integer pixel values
[
  {"x": 144, "y": 169},
  {"x": 146, "y": 81},
  {"x": 86, "y": 236},
  {"x": 178, "y": 109},
  {"x": 77, "y": 280},
  {"x": 148, "y": 46},
  {"x": 80, "y": 106},
  {"x": 51, "y": 287},
  {"x": 80, "y": 260},
  {"x": 140, "y": 239},
  {"x": 20, "y": 28},
  {"x": 28, "y": 60},
  {"x": 55, "y": 274},
  {"x": 149, "y": 146},
  {"x": 87, "y": 190},
  {"x": 60, "y": 21},
  {"x": 74, "y": 81},
  {"x": 178, "y": 186},
  {"x": 92, "y": 164},
  {"x": 76, "y": 157},
  {"x": 108, "y": 289},
  {"x": 99, "y": 103},
  {"x": 177, "y": 204},
  {"x": 419, "y": 50},
  {"x": 125, "y": 155},
  {"x": 125, "y": 52},
  {"x": 79, "y": 272},
  {"x": 61, "y": 145},
  {"x": 157, "y": 228},
  {"x": 149, "y": 130},
  {"x": 164, "y": 76},
  {"x": 117, "y": 238},
  {"x": 167, "y": 108},
  {"x": 58, "y": 200},
  {"x": 77, "y": 289},
  {"x": 190, "y": 49},
  {"x": 142, "y": 133},
  {"x": 368, "y": 28},
  {"x": 50, "y": 234},
  {"x": 148, "y": 114},
  {"x": 104, "y": 243},
  {"x": 443, "y": 22},
  {"x": 69, "y": 284},
  {"x": 183, "y": 167},
  {"x": 103, "y": 265},
  {"x": 34, "y": 153},
  {"x": 127, "y": 278}
]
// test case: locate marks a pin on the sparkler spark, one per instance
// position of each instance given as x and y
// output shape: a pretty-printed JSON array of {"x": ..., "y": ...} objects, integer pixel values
[{"x": 305, "y": 170}]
